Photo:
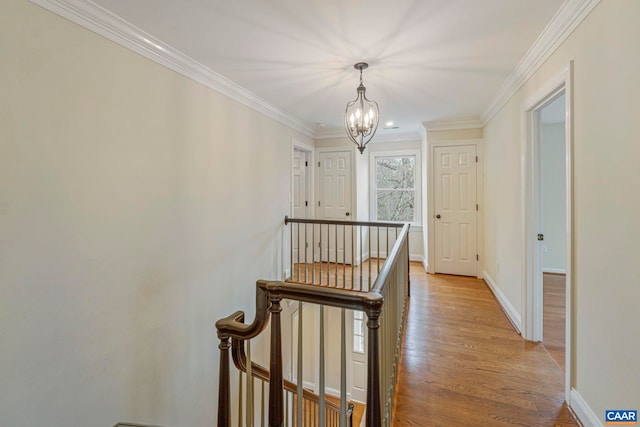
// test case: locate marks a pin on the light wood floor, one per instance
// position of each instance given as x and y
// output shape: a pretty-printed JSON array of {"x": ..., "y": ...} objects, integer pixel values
[
  {"x": 553, "y": 327},
  {"x": 336, "y": 275},
  {"x": 462, "y": 363}
]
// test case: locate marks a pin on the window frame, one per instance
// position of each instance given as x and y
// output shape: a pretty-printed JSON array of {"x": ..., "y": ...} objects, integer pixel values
[
  {"x": 373, "y": 189},
  {"x": 359, "y": 318}
]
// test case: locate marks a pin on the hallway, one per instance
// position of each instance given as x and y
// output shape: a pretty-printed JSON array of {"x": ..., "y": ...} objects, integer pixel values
[{"x": 463, "y": 364}]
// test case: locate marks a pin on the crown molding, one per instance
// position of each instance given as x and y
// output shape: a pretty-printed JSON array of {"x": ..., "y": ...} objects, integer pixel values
[
  {"x": 454, "y": 123},
  {"x": 105, "y": 23},
  {"x": 400, "y": 136},
  {"x": 422, "y": 131},
  {"x": 565, "y": 21},
  {"x": 329, "y": 133}
]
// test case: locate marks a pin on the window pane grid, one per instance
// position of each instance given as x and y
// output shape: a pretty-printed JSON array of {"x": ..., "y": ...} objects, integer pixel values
[
  {"x": 358, "y": 332},
  {"x": 395, "y": 188}
]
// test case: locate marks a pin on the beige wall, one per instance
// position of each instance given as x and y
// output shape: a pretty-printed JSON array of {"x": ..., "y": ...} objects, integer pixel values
[
  {"x": 454, "y": 134},
  {"x": 606, "y": 203},
  {"x": 136, "y": 208}
]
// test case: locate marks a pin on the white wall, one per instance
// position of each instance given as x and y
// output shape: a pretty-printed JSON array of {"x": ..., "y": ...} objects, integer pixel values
[
  {"x": 136, "y": 208},
  {"x": 554, "y": 225},
  {"x": 606, "y": 184}
]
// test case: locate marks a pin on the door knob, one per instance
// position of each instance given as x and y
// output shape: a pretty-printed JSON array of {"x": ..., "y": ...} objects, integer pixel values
[
  {"x": 438, "y": 216},
  {"x": 347, "y": 214}
]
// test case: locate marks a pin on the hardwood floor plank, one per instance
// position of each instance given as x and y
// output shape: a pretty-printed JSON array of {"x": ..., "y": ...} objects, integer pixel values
[
  {"x": 553, "y": 327},
  {"x": 462, "y": 363}
]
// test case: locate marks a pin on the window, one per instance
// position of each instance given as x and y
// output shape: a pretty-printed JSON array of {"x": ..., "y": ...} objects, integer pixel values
[
  {"x": 358, "y": 332},
  {"x": 396, "y": 187}
]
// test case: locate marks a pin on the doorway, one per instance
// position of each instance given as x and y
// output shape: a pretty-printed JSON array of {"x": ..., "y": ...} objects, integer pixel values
[
  {"x": 301, "y": 196},
  {"x": 455, "y": 193},
  {"x": 547, "y": 225},
  {"x": 454, "y": 187},
  {"x": 550, "y": 124},
  {"x": 335, "y": 203},
  {"x": 300, "y": 188}
]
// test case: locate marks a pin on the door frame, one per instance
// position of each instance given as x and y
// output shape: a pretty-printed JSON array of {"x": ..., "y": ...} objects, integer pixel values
[
  {"x": 310, "y": 178},
  {"x": 532, "y": 292},
  {"x": 310, "y": 181},
  {"x": 430, "y": 212},
  {"x": 341, "y": 149}
]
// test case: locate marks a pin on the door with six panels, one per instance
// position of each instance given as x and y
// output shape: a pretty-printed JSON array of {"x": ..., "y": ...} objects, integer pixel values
[{"x": 455, "y": 210}]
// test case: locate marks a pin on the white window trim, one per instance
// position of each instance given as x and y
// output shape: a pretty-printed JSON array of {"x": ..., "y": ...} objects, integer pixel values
[
  {"x": 363, "y": 321},
  {"x": 417, "y": 224}
]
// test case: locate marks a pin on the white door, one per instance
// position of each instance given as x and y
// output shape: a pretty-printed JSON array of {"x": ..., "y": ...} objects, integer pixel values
[
  {"x": 299, "y": 197},
  {"x": 300, "y": 205},
  {"x": 455, "y": 210},
  {"x": 335, "y": 203}
]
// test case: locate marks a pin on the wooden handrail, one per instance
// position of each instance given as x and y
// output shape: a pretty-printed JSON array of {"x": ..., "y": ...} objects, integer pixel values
[
  {"x": 288, "y": 220},
  {"x": 233, "y": 326}
]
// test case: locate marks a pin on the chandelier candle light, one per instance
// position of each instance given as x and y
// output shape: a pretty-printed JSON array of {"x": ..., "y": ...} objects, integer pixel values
[{"x": 361, "y": 115}]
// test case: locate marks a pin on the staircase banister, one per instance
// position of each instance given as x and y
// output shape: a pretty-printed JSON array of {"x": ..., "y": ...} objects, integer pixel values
[
  {"x": 323, "y": 295},
  {"x": 233, "y": 326},
  {"x": 262, "y": 373},
  {"x": 288, "y": 220},
  {"x": 383, "y": 275}
]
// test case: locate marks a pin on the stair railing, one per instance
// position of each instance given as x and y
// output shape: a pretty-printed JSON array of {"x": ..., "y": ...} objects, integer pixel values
[
  {"x": 310, "y": 400},
  {"x": 383, "y": 301}
]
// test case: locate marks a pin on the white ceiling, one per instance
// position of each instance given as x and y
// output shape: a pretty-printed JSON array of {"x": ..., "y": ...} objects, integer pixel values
[{"x": 429, "y": 59}]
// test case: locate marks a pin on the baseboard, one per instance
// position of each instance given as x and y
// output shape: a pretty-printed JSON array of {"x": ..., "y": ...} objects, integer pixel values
[
  {"x": 581, "y": 409},
  {"x": 335, "y": 392},
  {"x": 133, "y": 425},
  {"x": 425, "y": 265},
  {"x": 554, "y": 271},
  {"x": 507, "y": 307},
  {"x": 363, "y": 258},
  {"x": 309, "y": 385},
  {"x": 383, "y": 254}
]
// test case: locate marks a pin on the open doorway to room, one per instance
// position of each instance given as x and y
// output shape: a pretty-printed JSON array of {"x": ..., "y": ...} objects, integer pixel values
[
  {"x": 547, "y": 221},
  {"x": 301, "y": 199},
  {"x": 300, "y": 179},
  {"x": 551, "y": 124}
]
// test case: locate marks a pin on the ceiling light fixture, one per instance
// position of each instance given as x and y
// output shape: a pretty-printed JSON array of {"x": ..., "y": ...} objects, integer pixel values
[{"x": 361, "y": 115}]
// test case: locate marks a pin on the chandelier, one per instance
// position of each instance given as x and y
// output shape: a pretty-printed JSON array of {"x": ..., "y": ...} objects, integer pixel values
[{"x": 361, "y": 115}]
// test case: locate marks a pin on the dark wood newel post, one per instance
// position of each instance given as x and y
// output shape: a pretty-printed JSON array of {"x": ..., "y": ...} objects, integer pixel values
[
  {"x": 374, "y": 412},
  {"x": 224, "y": 384},
  {"x": 276, "y": 391}
]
